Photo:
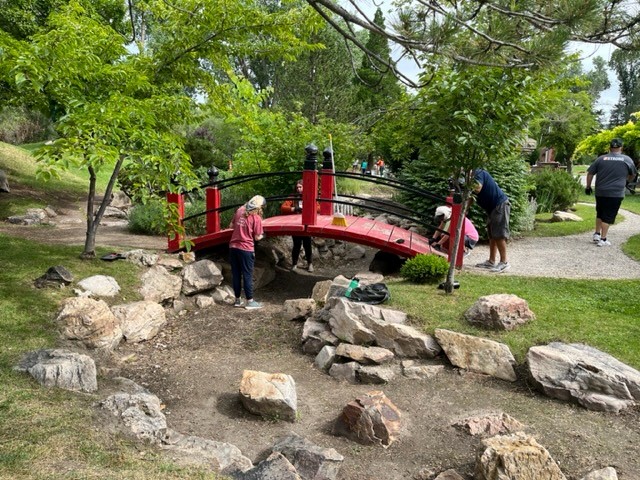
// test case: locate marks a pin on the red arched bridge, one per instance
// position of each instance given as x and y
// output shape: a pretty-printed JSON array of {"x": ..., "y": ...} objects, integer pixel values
[{"x": 319, "y": 189}]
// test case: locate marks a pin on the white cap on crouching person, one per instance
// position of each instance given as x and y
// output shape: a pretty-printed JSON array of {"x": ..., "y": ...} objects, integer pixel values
[
  {"x": 443, "y": 213},
  {"x": 255, "y": 203}
]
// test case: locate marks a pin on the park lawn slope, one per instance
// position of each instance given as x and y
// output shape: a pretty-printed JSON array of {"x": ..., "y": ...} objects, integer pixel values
[{"x": 50, "y": 433}]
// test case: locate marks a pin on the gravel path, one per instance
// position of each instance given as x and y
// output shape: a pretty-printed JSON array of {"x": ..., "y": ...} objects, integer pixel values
[{"x": 574, "y": 256}]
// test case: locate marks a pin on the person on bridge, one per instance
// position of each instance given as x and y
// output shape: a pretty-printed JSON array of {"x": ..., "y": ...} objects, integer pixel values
[
  {"x": 291, "y": 206},
  {"x": 496, "y": 204},
  {"x": 440, "y": 240},
  {"x": 247, "y": 229},
  {"x": 613, "y": 170}
]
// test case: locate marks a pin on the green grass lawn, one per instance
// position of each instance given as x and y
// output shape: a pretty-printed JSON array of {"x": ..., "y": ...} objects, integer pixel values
[
  {"x": 50, "y": 433},
  {"x": 545, "y": 228},
  {"x": 600, "y": 313}
]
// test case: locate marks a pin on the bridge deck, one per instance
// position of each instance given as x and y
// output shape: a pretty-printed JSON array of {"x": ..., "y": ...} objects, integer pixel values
[{"x": 360, "y": 230}]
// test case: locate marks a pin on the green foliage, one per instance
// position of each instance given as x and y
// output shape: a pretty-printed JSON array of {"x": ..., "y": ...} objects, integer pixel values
[
  {"x": 598, "y": 144},
  {"x": 19, "y": 125},
  {"x": 544, "y": 227},
  {"x": 425, "y": 268},
  {"x": 555, "y": 189},
  {"x": 148, "y": 218}
]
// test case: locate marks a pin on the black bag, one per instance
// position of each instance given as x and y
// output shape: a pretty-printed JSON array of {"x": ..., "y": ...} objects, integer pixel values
[{"x": 371, "y": 294}]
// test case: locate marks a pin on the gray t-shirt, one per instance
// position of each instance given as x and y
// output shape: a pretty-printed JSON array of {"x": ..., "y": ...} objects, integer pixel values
[{"x": 611, "y": 171}]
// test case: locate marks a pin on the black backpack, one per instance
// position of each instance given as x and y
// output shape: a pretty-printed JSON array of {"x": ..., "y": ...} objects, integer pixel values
[{"x": 371, "y": 294}]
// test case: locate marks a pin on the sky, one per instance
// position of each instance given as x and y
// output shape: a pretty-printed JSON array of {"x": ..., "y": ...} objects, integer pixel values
[{"x": 607, "y": 99}]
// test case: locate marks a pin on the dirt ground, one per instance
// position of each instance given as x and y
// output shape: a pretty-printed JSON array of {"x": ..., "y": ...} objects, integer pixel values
[{"x": 195, "y": 366}]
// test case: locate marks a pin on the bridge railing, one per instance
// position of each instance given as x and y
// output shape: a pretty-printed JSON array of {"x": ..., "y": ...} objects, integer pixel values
[{"x": 318, "y": 187}]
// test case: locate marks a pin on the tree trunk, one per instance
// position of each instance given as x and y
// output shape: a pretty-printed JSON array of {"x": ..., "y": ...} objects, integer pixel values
[{"x": 93, "y": 220}]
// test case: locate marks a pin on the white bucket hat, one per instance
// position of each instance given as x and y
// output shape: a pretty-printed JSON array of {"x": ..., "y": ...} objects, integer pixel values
[{"x": 444, "y": 212}]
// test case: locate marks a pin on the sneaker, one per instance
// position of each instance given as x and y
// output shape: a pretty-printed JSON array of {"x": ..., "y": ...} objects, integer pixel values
[
  {"x": 310, "y": 268},
  {"x": 294, "y": 268},
  {"x": 604, "y": 243},
  {"x": 501, "y": 267},
  {"x": 253, "y": 305},
  {"x": 238, "y": 303},
  {"x": 596, "y": 237},
  {"x": 486, "y": 264}
]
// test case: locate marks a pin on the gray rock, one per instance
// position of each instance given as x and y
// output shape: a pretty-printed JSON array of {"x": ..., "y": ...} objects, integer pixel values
[
  {"x": 489, "y": 424},
  {"x": 158, "y": 285},
  {"x": 499, "y": 312},
  {"x": 141, "y": 258},
  {"x": 478, "y": 355},
  {"x": 270, "y": 395},
  {"x": 450, "y": 474},
  {"x": 90, "y": 322},
  {"x": 200, "y": 276},
  {"x": 375, "y": 374},
  {"x": 310, "y": 461},
  {"x": 190, "y": 450},
  {"x": 204, "y": 301},
  {"x": 411, "y": 369},
  {"x": 141, "y": 413},
  {"x": 298, "y": 308},
  {"x": 140, "y": 321},
  {"x": 4, "y": 183},
  {"x": 100, "y": 286},
  {"x": 345, "y": 372},
  {"x": 325, "y": 358},
  {"x": 608, "y": 473},
  {"x": 320, "y": 291},
  {"x": 61, "y": 369},
  {"x": 583, "y": 374},
  {"x": 560, "y": 216},
  {"x": 364, "y": 355},
  {"x": 275, "y": 467},
  {"x": 514, "y": 457}
]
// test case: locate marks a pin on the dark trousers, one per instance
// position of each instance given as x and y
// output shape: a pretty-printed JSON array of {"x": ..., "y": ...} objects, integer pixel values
[
  {"x": 242, "y": 263},
  {"x": 299, "y": 242}
]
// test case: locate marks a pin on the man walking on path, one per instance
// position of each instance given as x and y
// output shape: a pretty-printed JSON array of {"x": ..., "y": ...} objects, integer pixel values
[
  {"x": 496, "y": 203},
  {"x": 613, "y": 170}
]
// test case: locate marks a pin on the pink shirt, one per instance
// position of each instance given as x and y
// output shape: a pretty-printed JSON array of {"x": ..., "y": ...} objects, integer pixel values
[
  {"x": 245, "y": 229},
  {"x": 470, "y": 230}
]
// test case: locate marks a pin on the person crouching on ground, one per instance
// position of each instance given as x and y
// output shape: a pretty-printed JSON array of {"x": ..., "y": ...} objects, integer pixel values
[
  {"x": 293, "y": 205},
  {"x": 498, "y": 209},
  {"x": 440, "y": 240},
  {"x": 247, "y": 229},
  {"x": 612, "y": 171}
]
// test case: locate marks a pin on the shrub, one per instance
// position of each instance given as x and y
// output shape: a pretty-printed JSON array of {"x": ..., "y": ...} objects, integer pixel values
[
  {"x": 425, "y": 268},
  {"x": 555, "y": 190},
  {"x": 148, "y": 219}
]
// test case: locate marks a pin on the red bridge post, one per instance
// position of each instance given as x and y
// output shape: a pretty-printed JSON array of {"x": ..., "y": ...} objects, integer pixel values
[
  {"x": 327, "y": 181},
  {"x": 213, "y": 202},
  {"x": 175, "y": 238},
  {"x": 456, "y": 208},
  {"x": 310, "y": 185}
]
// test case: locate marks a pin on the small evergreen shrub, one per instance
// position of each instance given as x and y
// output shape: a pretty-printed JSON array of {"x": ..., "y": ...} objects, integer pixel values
[
  {"x": 425, "y": 268},
  {"x": 148, "y": 219},
  {"x": 555, "y": 190}
]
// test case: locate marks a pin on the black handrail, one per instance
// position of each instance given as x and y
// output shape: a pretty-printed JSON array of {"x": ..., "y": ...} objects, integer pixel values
[{"x": 231, "y": 181}]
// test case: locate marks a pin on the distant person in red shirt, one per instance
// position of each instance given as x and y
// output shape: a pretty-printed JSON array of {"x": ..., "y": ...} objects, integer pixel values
[{"x": 247, "y": 229}]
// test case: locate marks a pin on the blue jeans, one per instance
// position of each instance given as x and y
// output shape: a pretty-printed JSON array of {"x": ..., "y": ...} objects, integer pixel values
[{"x": 242, "y": 263}]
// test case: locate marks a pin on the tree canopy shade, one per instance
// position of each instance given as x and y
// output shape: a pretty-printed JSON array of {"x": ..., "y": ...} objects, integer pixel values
[
  {"x": 120, "y": 107},
  {"x": 526, "y": 33}
]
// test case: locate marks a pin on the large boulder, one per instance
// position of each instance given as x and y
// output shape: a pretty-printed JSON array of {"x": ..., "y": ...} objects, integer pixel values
[
  {"x": 371, "y": 419},
  {"x": 90, "y": 322},
  {"x": 270, "y": 395},
  {"x": 141, "y": 414},
  {"x": 478, "y": 355},
  {"x": 515, "y": 457},
  {"x": 100, "y": 286},
  {"x": 499, "y": 312},
  {"x": 61, "y": 369},
  {"x": 140, "y": 321},
  {"x": 583, "y": 374},
  {"x": 310, "y": 461},
  {"x": 158, "y": 285},
  {"x": 200, "y": 276}
]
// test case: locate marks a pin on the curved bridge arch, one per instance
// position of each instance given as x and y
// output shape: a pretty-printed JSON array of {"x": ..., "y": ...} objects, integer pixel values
[{"x": 310, "y": 222}]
